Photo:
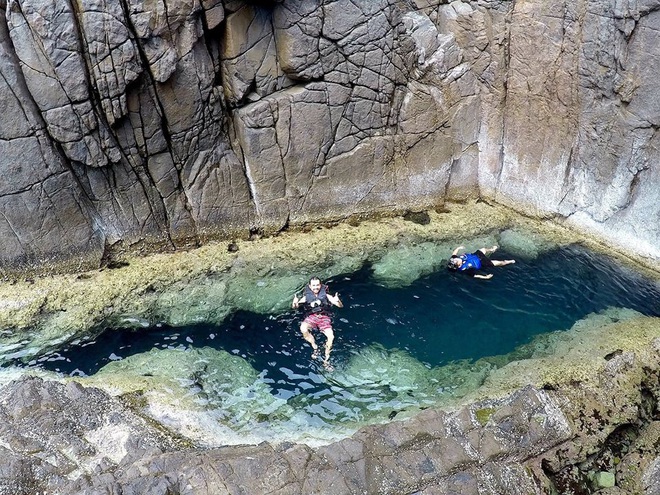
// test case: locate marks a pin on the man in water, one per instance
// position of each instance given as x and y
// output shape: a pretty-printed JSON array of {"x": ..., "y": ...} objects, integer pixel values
[
  {"x": 317, "y": 300},
  {"x": 471, "y": 263}
]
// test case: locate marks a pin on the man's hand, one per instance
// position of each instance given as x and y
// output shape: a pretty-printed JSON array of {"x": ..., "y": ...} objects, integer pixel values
[
  {"x": 296, "y": 301},
  {"x": 335, "y": 300}
]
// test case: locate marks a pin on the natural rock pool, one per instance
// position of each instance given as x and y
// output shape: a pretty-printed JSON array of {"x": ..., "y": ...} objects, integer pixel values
[{"x": 405, "y": 340}]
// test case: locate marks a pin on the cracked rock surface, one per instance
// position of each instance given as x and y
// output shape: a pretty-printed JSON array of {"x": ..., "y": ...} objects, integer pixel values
[{"x": 169, "y": 122}]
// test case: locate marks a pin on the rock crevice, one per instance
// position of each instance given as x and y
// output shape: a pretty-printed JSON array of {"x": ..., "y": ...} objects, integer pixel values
[{"x": 185, "y": 120}]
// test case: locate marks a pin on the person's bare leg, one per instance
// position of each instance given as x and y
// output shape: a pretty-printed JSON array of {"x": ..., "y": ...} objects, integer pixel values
[
  {"x": 502, "y": 262},
  {"x": 330, "y": 336},
  {"x": 488, "y": 251},
  {"x": 307, "y": 335}
]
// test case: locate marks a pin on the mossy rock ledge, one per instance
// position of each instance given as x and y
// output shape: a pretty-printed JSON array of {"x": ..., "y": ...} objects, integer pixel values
[
  {"x": 583, "y": 404},
  {"x": 66, "y": 438}
]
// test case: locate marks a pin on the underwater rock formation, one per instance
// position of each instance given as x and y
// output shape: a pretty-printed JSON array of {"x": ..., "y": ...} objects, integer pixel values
[
  {"x": 577, "y": 432},
  {"x": 167, "y": 122},
  {"x": 569, "y": 410}
]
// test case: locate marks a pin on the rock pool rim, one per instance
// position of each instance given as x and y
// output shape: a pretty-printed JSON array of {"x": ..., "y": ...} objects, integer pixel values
[
  {"x": 127, "y": 282},
  {"x": 91, "y": 295},
  {"x": 120, "y": 255}
]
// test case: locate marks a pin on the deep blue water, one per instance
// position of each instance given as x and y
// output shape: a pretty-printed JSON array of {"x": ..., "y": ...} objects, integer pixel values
[{"x": 439, "y": 318}]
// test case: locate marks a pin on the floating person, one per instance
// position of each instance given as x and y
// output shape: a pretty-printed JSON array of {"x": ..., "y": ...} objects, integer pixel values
[
  {"x": 471, "y": 263},
  {"x": 318, "y": 300}
]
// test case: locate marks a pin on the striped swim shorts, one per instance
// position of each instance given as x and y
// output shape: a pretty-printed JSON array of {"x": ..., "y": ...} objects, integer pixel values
[{"x": 320, "y": 321}]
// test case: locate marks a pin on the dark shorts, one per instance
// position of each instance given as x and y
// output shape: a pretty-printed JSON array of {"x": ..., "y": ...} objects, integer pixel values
[
  {"x": 319, "y": 321},
  {"x": 485, "y": 262}
]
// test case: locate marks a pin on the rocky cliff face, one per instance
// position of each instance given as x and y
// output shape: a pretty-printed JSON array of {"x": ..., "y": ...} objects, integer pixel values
[{"x": 171, "y": 121}]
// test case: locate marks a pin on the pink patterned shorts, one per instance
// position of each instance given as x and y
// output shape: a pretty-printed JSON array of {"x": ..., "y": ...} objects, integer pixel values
[{"x": 320, "y": 321}]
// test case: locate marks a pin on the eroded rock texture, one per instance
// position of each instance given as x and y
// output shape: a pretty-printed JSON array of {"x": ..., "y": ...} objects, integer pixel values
[
  {"x": 170, "y": 121},
  {"x": 566, "y": 438},
  {"x": 581, "y": 118}
]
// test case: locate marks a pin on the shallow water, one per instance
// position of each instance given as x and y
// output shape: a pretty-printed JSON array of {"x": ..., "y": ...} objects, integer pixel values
[{"x": 390, "y": 342}]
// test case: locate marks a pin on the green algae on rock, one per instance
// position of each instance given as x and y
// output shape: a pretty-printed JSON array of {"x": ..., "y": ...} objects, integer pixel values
[
  {"x": 209, "y": 283},
  {"x": 217, "y": 398}
]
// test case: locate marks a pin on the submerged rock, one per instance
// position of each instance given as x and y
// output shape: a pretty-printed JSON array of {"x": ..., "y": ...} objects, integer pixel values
[
  {"x": 208, "y": 395},
  {"x": 577, "y": 390},
  {"x": 407, "y": 263},
  {"x": 517, "y": 443},
  {"x": 525, "y": 244}
]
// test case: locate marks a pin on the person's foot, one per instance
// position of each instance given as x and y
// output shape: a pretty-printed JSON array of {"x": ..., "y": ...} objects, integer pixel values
[
  {"x": 510, "y": 262},
  {"x": 315, "y": 353},
  {"x": 328, "y": 366},
  {"x": 494, "y": 248}
]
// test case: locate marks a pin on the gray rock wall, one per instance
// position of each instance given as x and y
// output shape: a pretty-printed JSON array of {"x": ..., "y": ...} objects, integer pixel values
[
  {"x": 171, "y": 121},
  {"x": 581, "y": 118}
]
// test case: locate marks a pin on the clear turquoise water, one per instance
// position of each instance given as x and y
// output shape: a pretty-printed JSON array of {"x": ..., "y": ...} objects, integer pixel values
[{"x": 440, "y": 318}]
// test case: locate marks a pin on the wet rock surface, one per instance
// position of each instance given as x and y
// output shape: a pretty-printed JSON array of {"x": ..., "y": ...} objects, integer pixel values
[
  {"x": 569, "y": 436},
  {"x": 572, "y": 410}
]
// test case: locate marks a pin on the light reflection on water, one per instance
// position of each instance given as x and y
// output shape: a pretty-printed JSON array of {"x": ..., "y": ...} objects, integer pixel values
[{"x": 392, "y": 346}]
